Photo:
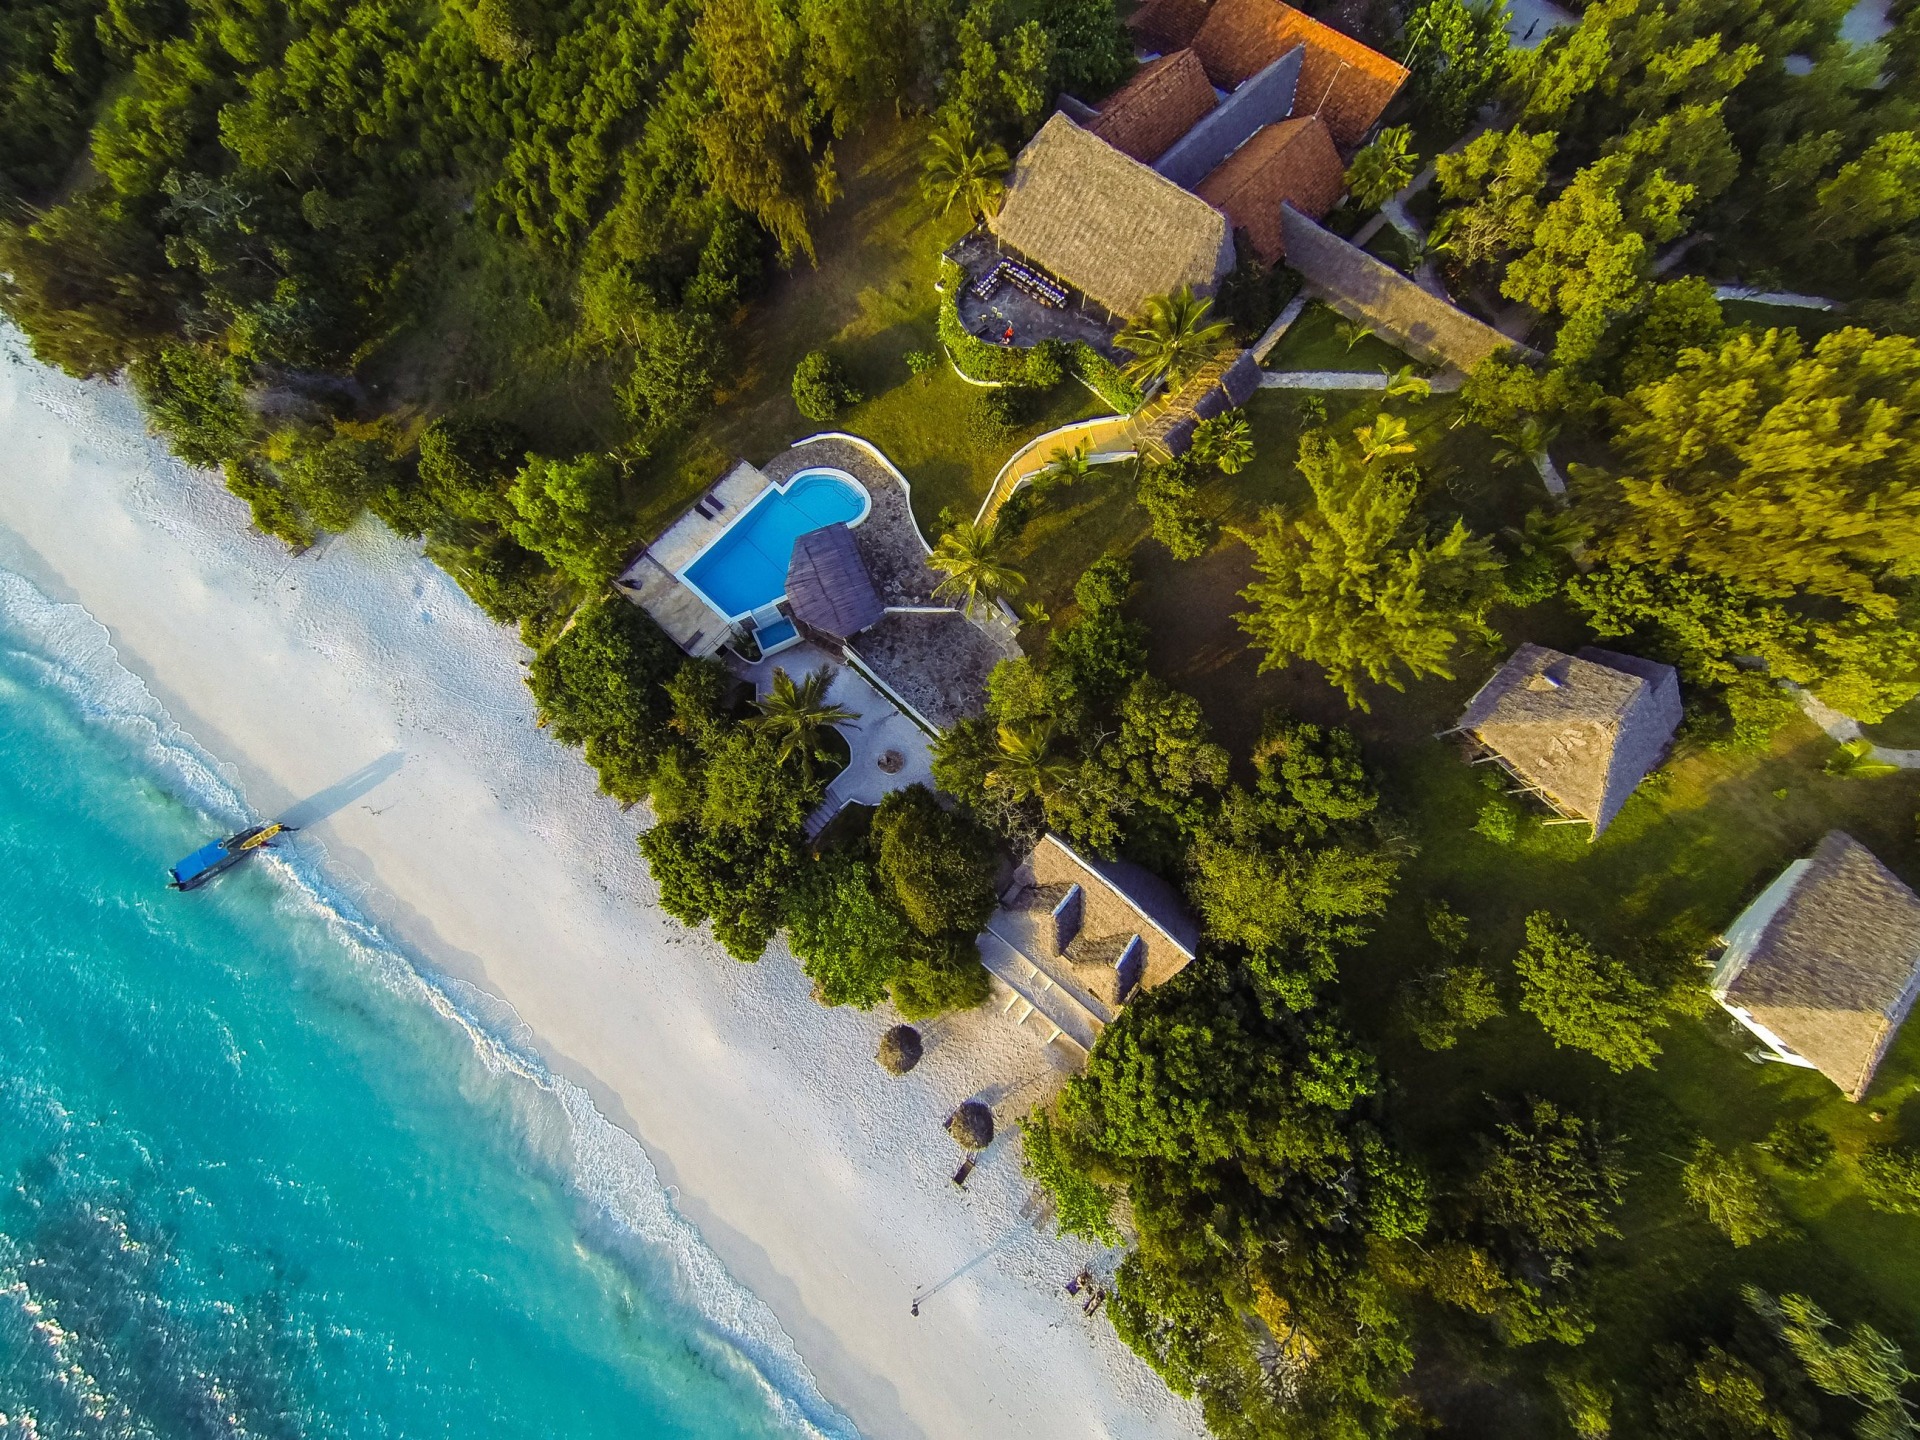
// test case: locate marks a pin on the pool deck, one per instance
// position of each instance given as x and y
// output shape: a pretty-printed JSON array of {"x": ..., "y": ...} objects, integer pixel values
[
  {"x": 878, "y": 728},
  {"x": 694, "y": 531}
]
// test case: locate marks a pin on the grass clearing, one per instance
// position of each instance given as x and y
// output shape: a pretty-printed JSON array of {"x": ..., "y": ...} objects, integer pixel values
[
  {"x": 1900, "y": 730},
  {"x": 1314, "y": 342},
  {"x": 1692, "y": 848}
]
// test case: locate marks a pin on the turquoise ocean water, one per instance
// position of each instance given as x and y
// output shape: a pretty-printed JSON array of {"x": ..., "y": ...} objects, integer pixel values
[{"x": 258, "y": 1178}]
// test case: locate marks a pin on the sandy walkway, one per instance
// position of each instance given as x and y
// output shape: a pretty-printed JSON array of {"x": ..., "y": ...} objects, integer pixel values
[{"x": 820, "y": 1182}]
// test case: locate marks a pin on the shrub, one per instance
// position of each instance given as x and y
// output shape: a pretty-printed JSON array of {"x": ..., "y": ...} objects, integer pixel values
[
  {"x": 821, "y": 387},
  {"x": 1892, "y": 1176},
  {"x": 1497, "y": 821},
  {"x": 940, "y": 976},
  {"x": 1799, "y": 1146},
  {"x": 194, "y": 403},
  {"x": 1447, "y": 1001},
  {"x": 1758, "y": 707},
  {"x": 273, "y": 509},
  {"x": 1585, "y": 999},
  {"x": 1737, "y": 1199},
  {"x": 922, "y": 363},
  {"x": 1169, "y": 496},
  {"x": 1081, "y": 1205},
  {"x": 938, "y": 864}
]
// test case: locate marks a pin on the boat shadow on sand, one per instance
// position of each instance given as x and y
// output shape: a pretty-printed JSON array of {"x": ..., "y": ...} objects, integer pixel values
[{"x": 304, "y": 814}]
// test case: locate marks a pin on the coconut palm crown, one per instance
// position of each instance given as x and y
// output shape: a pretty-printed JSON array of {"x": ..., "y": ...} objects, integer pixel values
[
  {"x": 1171, "y": 336},
  {"x": 959, "y": 168},
  {"x": 969, "y": 556},
  {"x": 798, "y": 716}
]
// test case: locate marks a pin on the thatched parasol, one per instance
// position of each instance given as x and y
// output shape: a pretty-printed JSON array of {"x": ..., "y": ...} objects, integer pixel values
[
  {"x": 971, "y": 1125},
  {"x": 900, "y": 1050}
]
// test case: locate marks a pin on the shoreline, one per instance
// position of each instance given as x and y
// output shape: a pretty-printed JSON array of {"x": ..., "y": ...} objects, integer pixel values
[{"x": 489, "y": 855}]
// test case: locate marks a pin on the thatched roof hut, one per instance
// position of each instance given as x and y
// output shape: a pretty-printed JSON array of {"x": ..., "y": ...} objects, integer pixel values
[
  {"x": 971, "y": 1125},
  {"x": 1295, "y": 163},
  {"x": 900, "y": 1050},
  {"x": 1342, "y": 81},
  {"x": 1107, "y": 225},
  {"x": 1825, "y": 965},
  {"x": 1579, "y": 730},
  {"x": 1163, "y": 101},
  {"x": 828, "y": 587}
]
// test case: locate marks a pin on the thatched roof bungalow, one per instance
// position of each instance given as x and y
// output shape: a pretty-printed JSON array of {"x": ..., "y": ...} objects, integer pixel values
[
  {"x": 1107, "y": 225},
  {"x": 1344, "y": 82},
  {"x": 828, "y": 588},
  {"x": 1825, "y": 965},
  {"x": 1294, "y": 163},
  {"x": 1580, "y": 731},
  {"x": 1165, "y": 99}
]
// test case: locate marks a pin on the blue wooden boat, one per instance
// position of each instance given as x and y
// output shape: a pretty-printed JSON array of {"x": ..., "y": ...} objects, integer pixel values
[{"x": 210, "y": 860}]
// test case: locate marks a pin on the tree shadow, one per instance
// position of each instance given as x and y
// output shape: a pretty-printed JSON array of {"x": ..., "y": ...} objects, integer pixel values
[{"x": 322, "y": 804}]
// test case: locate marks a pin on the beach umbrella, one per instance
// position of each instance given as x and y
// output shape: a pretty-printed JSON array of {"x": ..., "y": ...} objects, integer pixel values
[
  {"x": 900, "y": 1050},
  {"x": 971, "y": 1125}
]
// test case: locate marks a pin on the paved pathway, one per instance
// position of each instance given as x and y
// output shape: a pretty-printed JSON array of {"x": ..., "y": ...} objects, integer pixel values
[
  {"x": 1845, "y": 729},
  {"x": 1785, "y": 298},
  {"x": 1445, "y": 383}
]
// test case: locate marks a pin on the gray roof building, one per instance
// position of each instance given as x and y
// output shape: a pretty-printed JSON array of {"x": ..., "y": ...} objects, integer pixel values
[
  {"x": 1824, "y": 966},
  {"x": 1580, "y": 731},
  {"x": 828, "y": 588}
]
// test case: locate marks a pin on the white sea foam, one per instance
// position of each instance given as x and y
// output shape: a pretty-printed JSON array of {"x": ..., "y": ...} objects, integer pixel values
[{"x": 71, "y": 651}]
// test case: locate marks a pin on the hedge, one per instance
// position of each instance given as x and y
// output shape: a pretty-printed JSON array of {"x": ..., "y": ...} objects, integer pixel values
[{"x": 1035, "y": 365}]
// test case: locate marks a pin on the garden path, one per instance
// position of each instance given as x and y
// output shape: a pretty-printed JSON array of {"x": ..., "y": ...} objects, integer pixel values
[{"x": 1845, "y": 730}]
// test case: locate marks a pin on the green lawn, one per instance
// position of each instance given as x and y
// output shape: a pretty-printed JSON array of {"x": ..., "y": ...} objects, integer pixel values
[
  {"x": 1901, "y": 729},
  {"x": 870, "y": 301},
  {"x": 1692, "y": 847},
  {"x": 1313, "y": 342}
]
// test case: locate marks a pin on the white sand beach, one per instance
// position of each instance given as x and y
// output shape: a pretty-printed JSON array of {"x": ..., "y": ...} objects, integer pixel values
[{"x": 820, "y": 1182}]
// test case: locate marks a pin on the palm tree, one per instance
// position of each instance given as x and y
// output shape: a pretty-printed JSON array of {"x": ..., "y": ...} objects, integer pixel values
[
  {"x": 1351, "y": 333},
  {"x": 958, "y": 167},
  {"x": 1403, "y": 382},
  {"x": 1225, "y": 441},
  {"x": 1170, "y": 336},
  {"x": 1525, "y": 443},
  {"x": 799, "y": 717},
  {"x": 1387, "y": 436},
  {"x": 1065, "y": 467},
  {"x": 1027, "y": 767},
  {"x": 1856, "y": 760},
  {"x": 970, "y": 557}
]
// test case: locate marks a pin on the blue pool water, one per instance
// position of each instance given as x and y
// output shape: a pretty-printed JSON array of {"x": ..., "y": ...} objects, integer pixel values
[
  {"x": 776, "y": 634},
  {"x": 261, "y": 1178},
  {"x": 747, "y": 566}
]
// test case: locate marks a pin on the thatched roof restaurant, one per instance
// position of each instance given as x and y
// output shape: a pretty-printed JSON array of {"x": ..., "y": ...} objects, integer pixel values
[
  {"x": 1295, "y": 163},
  {"x": 1107, "y": 225},
  {"x": 1344, "y": 82},
  {"x": 1165, "y": 99},
  {"x": 1580, "y": 731},
  {"x": 828, "y": 588},
  {"x": 1825, "y": 965}
]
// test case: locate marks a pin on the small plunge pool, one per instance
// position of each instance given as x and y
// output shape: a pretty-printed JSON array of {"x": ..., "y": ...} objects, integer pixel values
[{"x": 745, "y": 567}]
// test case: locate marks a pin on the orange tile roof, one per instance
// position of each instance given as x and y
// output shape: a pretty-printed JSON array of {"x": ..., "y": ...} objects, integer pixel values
[
  {"x": 1167, "y": 25},
  {"x": 1293, "y": 160},
  {"x": 1156, "y": 107},
  {"x": 1342, "y": 81}
]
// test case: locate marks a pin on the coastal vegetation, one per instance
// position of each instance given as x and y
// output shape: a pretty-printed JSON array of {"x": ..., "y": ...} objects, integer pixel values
[{"x": 1436, "y": 1132}]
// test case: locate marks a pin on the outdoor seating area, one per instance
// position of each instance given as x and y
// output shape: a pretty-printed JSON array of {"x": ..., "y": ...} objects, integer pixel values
[
  {"x": 1022, "y": 278},
  {"x": 990, "y": 312}
]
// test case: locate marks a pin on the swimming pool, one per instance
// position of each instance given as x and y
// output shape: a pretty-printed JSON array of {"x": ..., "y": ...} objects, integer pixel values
[{"x": 745, "y": 567}]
